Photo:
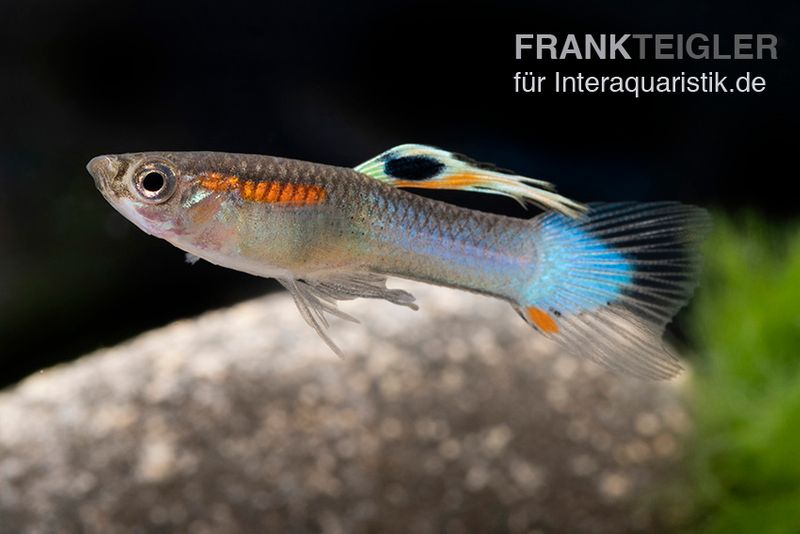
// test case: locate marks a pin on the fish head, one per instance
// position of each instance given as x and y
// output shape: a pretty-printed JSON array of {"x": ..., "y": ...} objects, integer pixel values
[
  {"x": 207, "y": 204},
  {"x": 146, "y": 188}
]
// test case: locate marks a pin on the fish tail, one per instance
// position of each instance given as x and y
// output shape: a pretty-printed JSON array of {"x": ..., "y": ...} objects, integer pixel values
[{"x": 606, "y": 285}]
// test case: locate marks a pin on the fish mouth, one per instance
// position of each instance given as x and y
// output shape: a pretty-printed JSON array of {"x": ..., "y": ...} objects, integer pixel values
[{"x": 103, "y": 169}]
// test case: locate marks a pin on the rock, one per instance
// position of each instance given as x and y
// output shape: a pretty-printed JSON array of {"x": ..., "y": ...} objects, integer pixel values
[{"x": 455, "y": 418}]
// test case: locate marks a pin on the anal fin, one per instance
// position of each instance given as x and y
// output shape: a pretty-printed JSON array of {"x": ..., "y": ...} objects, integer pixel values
[{"x": 319, "y": 295}]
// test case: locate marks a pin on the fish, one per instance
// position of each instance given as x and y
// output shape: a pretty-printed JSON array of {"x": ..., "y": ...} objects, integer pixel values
[{"x": 602, "y": 280}]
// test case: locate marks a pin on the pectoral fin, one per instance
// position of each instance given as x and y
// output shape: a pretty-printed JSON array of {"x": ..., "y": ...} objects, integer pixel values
[{"x": 425, "y": 167}]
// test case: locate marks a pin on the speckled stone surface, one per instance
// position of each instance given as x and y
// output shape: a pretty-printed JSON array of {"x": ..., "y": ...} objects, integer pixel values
[{"x": 455, "y": 418}]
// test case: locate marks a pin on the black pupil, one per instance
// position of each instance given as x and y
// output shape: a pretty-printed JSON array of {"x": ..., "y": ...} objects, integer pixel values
[{"x": 153, "y": 182}]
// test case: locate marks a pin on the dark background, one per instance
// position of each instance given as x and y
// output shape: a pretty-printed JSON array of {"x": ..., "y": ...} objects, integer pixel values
[{"x": 336, "y": 83}]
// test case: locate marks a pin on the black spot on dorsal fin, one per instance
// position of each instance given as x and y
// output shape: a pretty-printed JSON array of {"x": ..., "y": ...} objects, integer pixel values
[
  {"x": 413, "y": 167},
  {"x": 481, "y": 165}
]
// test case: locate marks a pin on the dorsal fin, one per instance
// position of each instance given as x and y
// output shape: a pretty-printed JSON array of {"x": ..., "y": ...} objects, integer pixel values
[{"x": 426, "y": 167}]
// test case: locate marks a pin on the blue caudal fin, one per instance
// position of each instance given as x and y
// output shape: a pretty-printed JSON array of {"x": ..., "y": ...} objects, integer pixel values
[{"x": 606, "y": 285}]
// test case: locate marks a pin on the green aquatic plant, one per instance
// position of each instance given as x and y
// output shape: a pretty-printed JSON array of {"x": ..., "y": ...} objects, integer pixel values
[{"x": 744, "y": 458}]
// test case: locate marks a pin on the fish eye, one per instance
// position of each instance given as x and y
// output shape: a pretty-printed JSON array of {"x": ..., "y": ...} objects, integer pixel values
[{"x": 154, "y": 183}]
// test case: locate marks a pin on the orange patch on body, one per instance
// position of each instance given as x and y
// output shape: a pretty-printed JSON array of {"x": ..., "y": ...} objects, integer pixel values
[
  {"x": 287, "y": 194},
  {"x": 261, "y": 191},
  {"x": 314, "y": 195},
  {"x": 274, "y": 192},
  {"x": 249, "y": 190},
  {"x": 543, "y": 320},
  {"x": 300, "y": 193},
  {"x": 216, "y": 181},
  {"x": 269, "y": 192}
]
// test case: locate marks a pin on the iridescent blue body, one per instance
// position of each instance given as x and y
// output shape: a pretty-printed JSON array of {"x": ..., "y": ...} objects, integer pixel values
[{"x": 401, "y": 234}]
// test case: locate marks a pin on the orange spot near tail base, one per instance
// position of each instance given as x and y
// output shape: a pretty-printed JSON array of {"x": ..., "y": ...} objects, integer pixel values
[{"x": 542, "y": 320}]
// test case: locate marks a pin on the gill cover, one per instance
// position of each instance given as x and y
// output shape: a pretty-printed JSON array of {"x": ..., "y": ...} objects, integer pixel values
[{"x": 425, "y": 167}]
